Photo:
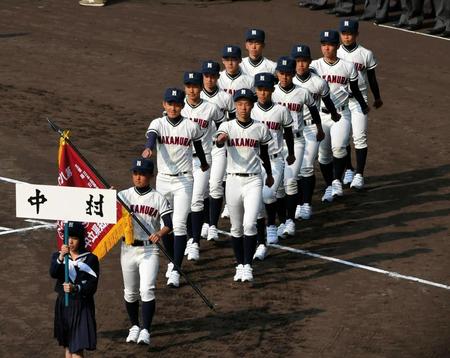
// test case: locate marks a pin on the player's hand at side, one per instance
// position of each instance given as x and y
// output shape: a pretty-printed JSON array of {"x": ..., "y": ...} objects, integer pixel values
[
  {"x": 320, "y": 134},
  {"x": 269, "y": 181},
  {"x": 64, "y": 251},
  {"x": 147, "y": 153},
  {"x": 204, "y": 168},
  {"x": 154, "y": 238},
  {"x": 335, "y": 117},
  {"x": 222, "y": 138},
  {"x": 366, "y": 110},
  {"x": 378, "y": 103},
  {"x": 290, "y": 159}
]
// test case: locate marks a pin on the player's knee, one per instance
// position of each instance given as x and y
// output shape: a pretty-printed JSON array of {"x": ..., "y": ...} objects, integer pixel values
[
  {"x": 325, "y": 158},
  {"x": 307, "y": 172},
  {"x": 250, "y": 229},
  {"x": 130, "y": 296},
  {"x": 216, "y": 191},
  {"x": 179, "y": 229},
  {"x": 339, "y": 152},
  {"x": 360, "y": 142},
  {"x": 269, "y": 195},
  {"x": 290, "y": 186},
  {"x": 197, "y": 205},
  {"x": 148, "y": 294},
  {"x": 236, "y": 231}
]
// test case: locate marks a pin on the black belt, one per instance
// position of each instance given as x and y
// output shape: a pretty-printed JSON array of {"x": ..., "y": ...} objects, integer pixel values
[
  {"x": 326, "y": 111},
  {"x": 176, "y": 175},
  {"x": 141, "y": 242},
  {"x": 244, "y": 174},
  {"x": 309, "y": 122}
]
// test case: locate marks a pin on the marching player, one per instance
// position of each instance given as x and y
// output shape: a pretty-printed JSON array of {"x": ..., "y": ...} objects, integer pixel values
[
  {"x": 255, "y": 62},
  {"x": 339, "y": 74},
  {"x": 174, "y": 135},
  {"x": 208, "y": 116},
  {"x": 294, "y": 98},
  {"x": 365, "y": 63},
  {"x": 140, "y": 257},
  {"x": 232, "y": 78},
  {"x": 319, "y": 89},
  {"x": 212, "y": 93},
  {"x": 279, "y": 121},
  {"x": 244, "y": 138}
]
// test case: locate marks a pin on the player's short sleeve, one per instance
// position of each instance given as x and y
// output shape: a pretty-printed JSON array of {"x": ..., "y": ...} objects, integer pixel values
[
  {"x": 230, "y": 104},
  {"x": 217, "y": 115},
  {"x": 309, "y": 99},
  {"x": 124, "y": 196},
  {"x": 223, "y": 128},
  {"x": 371, "y": 61},
  {"x": 313, "y": 67},
  {"x": 286, "y": 118},
  {"x": 154, "y": 127},
  {"x": 266, "y": 137},
  {"x": 196, "y": 132},
  {"x": 163, "y": 205},
  {"x": 324, "y": 88},
  {"x": 353, "y": 72}
]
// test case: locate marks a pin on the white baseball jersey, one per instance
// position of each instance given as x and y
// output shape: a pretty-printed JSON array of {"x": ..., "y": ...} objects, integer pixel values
[
  {"x": 174, "y": 144},
  {"x": 149, "y": 206},
  {"x": 221, "y": 99},
  {"x": 208, "y": 116},
  {"x": 231, "y": 84},
  {"x": 294, "y": 99},
  {"x": 363, "y": 59},
  {"x": 318, "y": 88},
  {"x": 338, "y": 76},
  {"x": 276, "y": 117},
  {"x": 243, "y": 145},
  {"x": 264, "y": 65}
]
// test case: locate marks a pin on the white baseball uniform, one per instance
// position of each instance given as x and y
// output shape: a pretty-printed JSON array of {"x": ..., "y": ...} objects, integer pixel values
[
  {"x": 251, "y": 69},
  {"x": 140, "y": 264},
  {"x": 231, "y": 84}
]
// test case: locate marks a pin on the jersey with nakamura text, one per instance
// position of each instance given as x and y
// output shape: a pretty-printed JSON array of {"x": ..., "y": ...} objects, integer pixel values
[
  {"x": 231, "y": 84},
  {"x": 221, "y": 99},
  {"x": 318, "y": 88}
]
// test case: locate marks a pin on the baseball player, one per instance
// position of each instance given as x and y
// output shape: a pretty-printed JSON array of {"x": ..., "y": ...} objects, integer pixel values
[
  {"x": 244, "y": 138},
  {"x": 173, "y": 136},
  {"x": 294, "y": 98},
  {"x": 319, "y": 89},
  {"x": 140, "y": 259},
  {"x": 212, "y": 93},
  {"x": 279, "y": 121},
  {"x": 208, "y": 116},
  {"x": 255, "y": 62},
  {"x": 232, "y": 78},
  {"x": 365, "y": 64},
  {"x": 339, "y": 75}
]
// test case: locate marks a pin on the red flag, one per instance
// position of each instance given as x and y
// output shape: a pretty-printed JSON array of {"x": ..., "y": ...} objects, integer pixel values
[{"x": 73, "y": 171}]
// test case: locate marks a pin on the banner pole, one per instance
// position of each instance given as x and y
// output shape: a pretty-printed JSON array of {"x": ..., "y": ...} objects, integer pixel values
[{"x": 66, "y": 263}]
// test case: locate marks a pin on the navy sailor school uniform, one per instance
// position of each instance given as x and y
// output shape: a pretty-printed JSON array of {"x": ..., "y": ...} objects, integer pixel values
[{"x": 75, "y": 326}]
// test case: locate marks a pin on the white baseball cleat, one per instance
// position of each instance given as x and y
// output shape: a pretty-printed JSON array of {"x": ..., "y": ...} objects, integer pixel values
[
  {"x": 213, "y": 234},
  {"x": 144, "y": 337},
  {"x": 247, "y": 273},
  {"x": 133, "y": 334},
  {"x": 272, "y": 234},
  {"x": 194, "y": 252},
  {"x": 169, "y": 269},
  {"x": 336, "y": 186},
  {"x": 328, "y": 195},
  {"x": 261, "y": 253},
  {"x": 239, "y": 271},
  {"x": 92, "y": 2},
  {"x": 298, "y": 212},
  {"x": 348, "y": 176},
  {"x": 289, "y": 228},
  {"x": 174, "y": 279},
  {"x": 358, "y": 182},
  {"x": 225, "y": 214},
  {"x": 204, "y": 233},
  {"x": 306, "y": 211},
  {"x": 188, "y": 245},
  {"x": 280, "y": 231}
]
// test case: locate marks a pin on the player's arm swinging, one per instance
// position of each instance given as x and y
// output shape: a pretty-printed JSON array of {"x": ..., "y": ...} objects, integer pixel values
[
  {"x": 335, "y": 116},
  {"x": 289, "y": 138},
  {"x": 374, "y": 88},
  {"x": 358, "y": 96},
  {"x": 318, "y": 122},
  {"x": 150, "y": 144},
  {"x": 264, "y": 154},
  {"x": 201, "y": 155}
]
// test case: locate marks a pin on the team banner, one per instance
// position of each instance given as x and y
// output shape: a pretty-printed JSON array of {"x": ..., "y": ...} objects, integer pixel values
[{"x": 73, "y": 171}]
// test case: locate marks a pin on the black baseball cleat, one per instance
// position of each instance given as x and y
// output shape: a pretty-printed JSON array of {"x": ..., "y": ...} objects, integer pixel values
[
  {"x": 435, "y": 31},
  {"x": 446, "y": 33},
  {"x": 381, "y": 21},
  {"x": 413, "y": 27},
  {"x": 399, "y": 25}
]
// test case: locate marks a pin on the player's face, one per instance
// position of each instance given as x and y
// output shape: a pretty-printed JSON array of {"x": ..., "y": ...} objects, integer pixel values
[
  {"x": 348, "y": 38},
  {"x": 302, "y": 65},
  {"x": 210, "y": 81},
  {"x": 255, "y": 49},
  {"x": 193, "y": 92},
  {"x": 231, "y": 65},
  {"x": 173, "y": 109},
  {"x": 243, "y": 108},
  {"x": 264, "y": 94},
  {"x": 74, "y": 243},
  {"x": 285, "y": 78},
  {"x": 141, "y": 180},
  {"x": 329, "y": 50}
]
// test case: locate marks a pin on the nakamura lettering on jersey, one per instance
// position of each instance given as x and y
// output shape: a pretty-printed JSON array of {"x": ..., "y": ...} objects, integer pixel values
[{"x": 231, "y": 84}]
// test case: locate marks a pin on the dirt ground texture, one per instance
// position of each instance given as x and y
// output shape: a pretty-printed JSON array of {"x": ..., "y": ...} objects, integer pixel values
[{"x": 102, "y": 72}]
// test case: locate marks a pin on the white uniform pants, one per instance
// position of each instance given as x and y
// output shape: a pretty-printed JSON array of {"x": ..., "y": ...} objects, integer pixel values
[
  {"x": 140, "y": 266},
  {"x": 277, "y": 164},
  {"x": 218, "y": 167},
  {"x": 359, "y": 124},
  {"x": 291, "y": 172},
  {"x": 244, "y": 198},
  {"x": 311, "y": 150},
  {"x": 200, "y": 189},
  {"x": 178, "y": 191}
]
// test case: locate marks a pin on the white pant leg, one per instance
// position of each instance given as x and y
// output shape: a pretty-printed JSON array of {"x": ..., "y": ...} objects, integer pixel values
[
  {"x": 340, "y": 135},
  {"x": 311, "y": 150},
  {"x": 130, "y": 272},
  {"x": 270, "y": 194},
  {"x": 233, "y": 193},
  {"x": 201, "y": 184},
  {"x": 291, "y": 171},
  {"x": 252, "y": 198},
  {"x": 148, "y": 271},
  {"x": 359, "y": 124},
  {"x": 218, "y": 167},
  {"x": 325, "y": 152}
]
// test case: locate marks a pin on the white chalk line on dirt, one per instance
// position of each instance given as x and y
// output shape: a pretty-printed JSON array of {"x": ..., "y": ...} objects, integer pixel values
[
  {"x": 352, "y": 264},
  {"x": 46, "y": 226},
  {"x": 2, "y": 228},
  {"x": 414, "y": 32}
]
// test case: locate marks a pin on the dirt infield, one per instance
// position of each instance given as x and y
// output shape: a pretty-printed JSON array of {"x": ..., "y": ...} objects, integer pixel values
[{"x": 102, "y": 72}]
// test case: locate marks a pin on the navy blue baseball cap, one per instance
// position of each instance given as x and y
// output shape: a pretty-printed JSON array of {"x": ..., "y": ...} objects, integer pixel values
[
  {"x": 329, "y": 36},
  {"x": 255, "y": 35},
  {"x": 231, "y": 51},
  {"x": 265, "y": 80},
  {"x": 300, "y": 51},
  {"x": 348, "y": 25},
  {"x": 193, "y": 78},
  {"x": 286, "y": 64},
  {"x": 174, "y": 95},
  {"x": 244, "y": 93},
  {"x": 143, "y": 165},
  {"x": 210, "y": 67},
  {"x": 76, "y": 229}
]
